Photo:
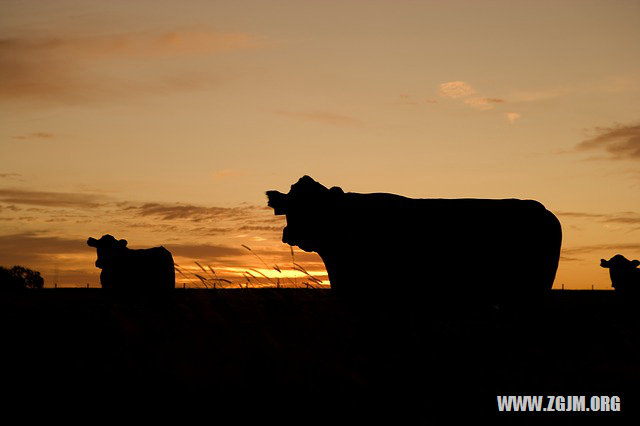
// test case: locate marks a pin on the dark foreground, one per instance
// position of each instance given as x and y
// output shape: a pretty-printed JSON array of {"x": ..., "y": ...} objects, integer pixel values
[{"x": 301, "y": 355}]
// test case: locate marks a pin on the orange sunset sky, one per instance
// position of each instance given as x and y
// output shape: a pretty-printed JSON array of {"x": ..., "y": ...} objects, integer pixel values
[{"x": 164, "y": 122}]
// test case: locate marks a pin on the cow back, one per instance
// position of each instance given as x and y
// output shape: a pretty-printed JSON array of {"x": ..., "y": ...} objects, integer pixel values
[{"x": 143, "y": 269}]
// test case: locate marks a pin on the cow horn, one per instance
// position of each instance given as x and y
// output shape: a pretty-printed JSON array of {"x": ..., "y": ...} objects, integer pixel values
[{"x": 278, "y": 201}]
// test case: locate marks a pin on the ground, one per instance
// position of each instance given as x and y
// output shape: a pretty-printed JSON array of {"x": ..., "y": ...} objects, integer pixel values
[{"x": 304, "y": 351}]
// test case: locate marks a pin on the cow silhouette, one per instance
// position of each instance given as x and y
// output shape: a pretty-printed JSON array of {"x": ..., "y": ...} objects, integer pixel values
[
  {"x": 127, "y": 269},
  {"x": 380, "y": 242},
  {"x": 624, "y": 273}
]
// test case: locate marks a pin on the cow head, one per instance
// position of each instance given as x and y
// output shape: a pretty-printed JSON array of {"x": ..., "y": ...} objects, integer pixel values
[
  {"x": 107, "y": 247},
  {"x": 619, "y": 262},
  {"x": 310, "y": 209}
]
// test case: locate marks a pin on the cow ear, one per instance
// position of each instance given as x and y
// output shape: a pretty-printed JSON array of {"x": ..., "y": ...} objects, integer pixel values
[
  {"x": 336, "y": 190},
  {"x": 122, "y": 243},
  {"x": 604, "y": 263},
  {"x": 635, "y": 263},
  {"x": 92, "y": 242}
]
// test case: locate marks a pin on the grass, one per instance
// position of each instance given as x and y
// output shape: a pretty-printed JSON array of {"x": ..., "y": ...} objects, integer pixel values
[
  {"x": 306, "y": 350},
  {"x": 250, "y": 277}
]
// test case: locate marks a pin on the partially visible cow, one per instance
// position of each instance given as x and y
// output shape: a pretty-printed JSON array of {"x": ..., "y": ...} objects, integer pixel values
[
  {"x": 126, "y": 269},
  {"x": 389, "y": 244},
  {"x": 624, "y": 273}
]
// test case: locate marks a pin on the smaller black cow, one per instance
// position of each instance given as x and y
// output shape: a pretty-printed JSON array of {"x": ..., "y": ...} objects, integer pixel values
[
  {"x": 126, "y": 269},
  {"x": 624, "y": 273}
]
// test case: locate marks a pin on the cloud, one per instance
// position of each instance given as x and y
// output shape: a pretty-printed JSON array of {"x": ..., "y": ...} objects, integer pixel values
[
  {"x": 37, "y": 135},
  {"x": 462, "y": 91},
  {"x": 76, "y": 69},
  {"x": 260, "y": 228},
  {"x": 512, "y": 116},
  {"x": 406, "y": 99},
  {"x": 10, "y": 175},
  {"x": 323, "y": 117},
  {"x": 538, "y": 95},
  {"x": 30, "y": 248},
  {"x": 189, "y": 211},
  {"x": 127, "y": 214},
  {"x": 619, "y": 141},
  {"x": 624, "y": 218},
  {"x": 175, "y": 43},
  {"x": 580, "y": 215},
  {"x": 621, "y": 83},
  {"x": 600, "y": 248},
  {"x": 456, "y": 89},
  {"x": 483, "y": 103},
  {"x": 10, "y": 207},
  {"x": 203, "y": 251},
  {"x": 209, "y": 231},
  {"x": 51, "y": 199}
]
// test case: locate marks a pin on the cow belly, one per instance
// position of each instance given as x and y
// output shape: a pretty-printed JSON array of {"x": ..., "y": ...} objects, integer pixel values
[{"x": 466, "y": 252}]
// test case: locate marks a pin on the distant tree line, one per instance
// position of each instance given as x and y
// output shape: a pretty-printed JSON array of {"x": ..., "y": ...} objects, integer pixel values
[{"x": 19, "y": 277}]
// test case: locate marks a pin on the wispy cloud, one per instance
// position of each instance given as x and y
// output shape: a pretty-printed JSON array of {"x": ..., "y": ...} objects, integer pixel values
[
  {"x": 10, "y": 175},
  {"x": 47, "y": 204},
  {"x": 619, "y": 142},
  {"x": 512, "y": 116},
  {"x": 623, "y": 218},
  {"x": 28, "y": 248},
  {"x": 602, "y": 249},
  {"x": 36, "y": 135},
  {"x": 72, "y": 69},
  {"x": 260, "y": 228},
  {"x": 456, "y": 89},
  {"x": 621, "y": 83},
  {"x": 51, "y": 199},
  {"x": 130, "y": 44},
  {"x": 615, "y": 83},
  {"x": 188, "y": 211},
  {"x": 483, "y": 103},
  {"x": 204, "y": 251},
  {"x": 462, "y": 91},
  {"x": 406, "y": 99},
  {"x": 323, "y": 117},
  {"x": 525, "y": 96}
]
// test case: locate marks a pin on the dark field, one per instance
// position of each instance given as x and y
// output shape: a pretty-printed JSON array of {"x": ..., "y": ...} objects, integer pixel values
[{"x": 292, "y": 354}]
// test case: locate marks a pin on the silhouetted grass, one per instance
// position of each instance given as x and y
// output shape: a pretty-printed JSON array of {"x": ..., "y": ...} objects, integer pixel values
[
  {"x": 308, "y": 351},
  {"x": 250, "y": 277}
]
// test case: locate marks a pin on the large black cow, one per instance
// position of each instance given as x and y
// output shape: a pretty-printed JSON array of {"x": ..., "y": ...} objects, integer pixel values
[
  {"x": 126, "y": 269},
  {"x": 624, "y": 273},
  {"x": 498, "y": 249}
]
